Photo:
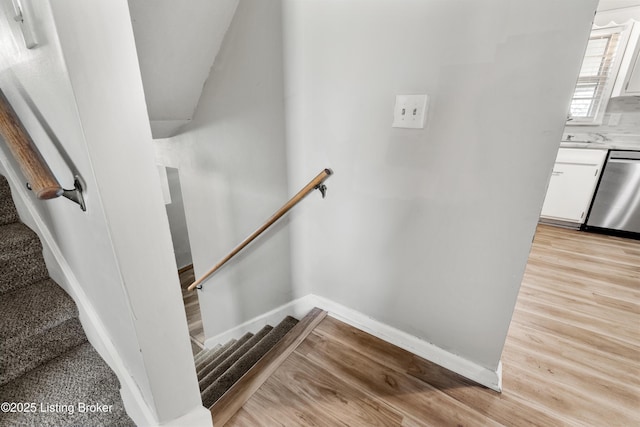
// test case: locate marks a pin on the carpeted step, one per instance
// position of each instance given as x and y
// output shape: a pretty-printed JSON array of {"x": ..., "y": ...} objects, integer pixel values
[
  {"x": 212, "y": 355},
  {"x": 204, "y": 371},
  {"x": 21, "y": 260},
  {"x": 206, "y": 381},
  {"x": 78, "y": 377},
  {"x": 32, "y": 310},
  {"x": 45, "y": 359},
  {"x": 8, "y": 212},
  {"x": 204, "y": 352},
  {"x": 249, "y": 358},
  {"x": 27, "y": 354}
]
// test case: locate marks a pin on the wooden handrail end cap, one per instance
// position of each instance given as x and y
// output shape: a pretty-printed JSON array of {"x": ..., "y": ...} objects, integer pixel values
[{"x": 49, "y": 193}]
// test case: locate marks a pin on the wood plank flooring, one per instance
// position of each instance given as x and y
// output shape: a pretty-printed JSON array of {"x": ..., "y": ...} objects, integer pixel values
[
  {"x": 572, "y": 356},
  {"x": 192, "y": 308}
]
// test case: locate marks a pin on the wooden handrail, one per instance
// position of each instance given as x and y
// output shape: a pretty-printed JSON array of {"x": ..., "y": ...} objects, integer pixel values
[
  {"x": 38, "y": 174},
  {"x": 315, "y": 183}
]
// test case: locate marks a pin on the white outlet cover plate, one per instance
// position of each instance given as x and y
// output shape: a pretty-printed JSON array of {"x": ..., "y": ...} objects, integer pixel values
[{"x": 410, "y": 111}]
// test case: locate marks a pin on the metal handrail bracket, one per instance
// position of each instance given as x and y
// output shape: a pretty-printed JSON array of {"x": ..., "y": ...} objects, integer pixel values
[{"x": 39, "y": 177}]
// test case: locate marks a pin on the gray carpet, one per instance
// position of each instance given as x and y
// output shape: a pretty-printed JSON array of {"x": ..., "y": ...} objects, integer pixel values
[
  {"x": 232, "y": 358},
  {"x": 8, "y": 214},
  {"x": 204, "y": 371},
  {"x": 21, "y": 261},
  {"x": 208, "y": 355},
  {"x": 49, "y": 373},
  {"x": 67, "y": 391}
]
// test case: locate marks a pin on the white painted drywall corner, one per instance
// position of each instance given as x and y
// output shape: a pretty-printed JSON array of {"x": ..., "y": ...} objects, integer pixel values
[{"x": 100, "y": 56}]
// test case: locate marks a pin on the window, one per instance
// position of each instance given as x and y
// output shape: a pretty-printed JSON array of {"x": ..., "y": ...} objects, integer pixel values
[{"x": 597, "y": 75}]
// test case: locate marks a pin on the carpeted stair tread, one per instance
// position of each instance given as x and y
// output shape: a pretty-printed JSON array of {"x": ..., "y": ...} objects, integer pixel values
[
  {"x": 27, "y": 354},
  {"x": 212, "y": 355},
  {"x": 208, "y": 352},
  {"x": 8, "y": 212},
  {"x": 206, "y": 381},
  {"x": 18, "y": 237},
  {"x": 21, "y": 271},
  {"x": 21, "y": 260},
  {"x": 78, "y": 376},
  {"x": 33, "y": 309},
  {"x": 204, "y": 353},
  {"x": 204, "y": 371},
  {"x": 214, "y": 391}
]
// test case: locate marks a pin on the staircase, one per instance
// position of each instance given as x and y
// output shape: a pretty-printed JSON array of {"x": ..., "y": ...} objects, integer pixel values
[
  {"x": 228, "y": 374},
  {"x": 48, "y": 369},
  {"x": 218, "y": 369}
]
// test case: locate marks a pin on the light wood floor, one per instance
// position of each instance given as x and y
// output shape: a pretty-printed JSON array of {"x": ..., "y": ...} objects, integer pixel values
[
  {"x": 192, "y": 308},
  {"x": 571, "y": 357}
]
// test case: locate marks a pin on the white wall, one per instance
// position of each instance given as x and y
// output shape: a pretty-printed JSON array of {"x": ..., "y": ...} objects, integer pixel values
[
  {"x": 427, "y": 230},
  {"x": 81, "y": 89},
  {"x": 178, "y": 220},
  {"x": 233, "y": 168}
]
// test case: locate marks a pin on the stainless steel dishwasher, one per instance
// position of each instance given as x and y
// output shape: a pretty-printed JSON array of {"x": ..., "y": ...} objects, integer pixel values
[{"x": 616, "y": 205}]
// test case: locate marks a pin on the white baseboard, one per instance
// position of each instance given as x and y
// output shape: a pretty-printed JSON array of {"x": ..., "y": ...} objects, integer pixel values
[
  {"x": 96, "y": 332},
  {"x": 199, "y": 417},
  {"x": 415, "y": 345},
  {"x": 300, "y": 307},
  {"x": 296, "y": 308}
]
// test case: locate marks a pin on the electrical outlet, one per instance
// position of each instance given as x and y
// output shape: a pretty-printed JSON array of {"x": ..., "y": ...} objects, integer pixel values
[{"x": 410, "y": 111}]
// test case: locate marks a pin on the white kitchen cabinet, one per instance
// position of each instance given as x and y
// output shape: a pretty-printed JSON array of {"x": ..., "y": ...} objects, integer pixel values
[
  {"x": 572, "y": 185},
  {"x": 632, "y": 86},
  {"x": 628, "y": 80}
]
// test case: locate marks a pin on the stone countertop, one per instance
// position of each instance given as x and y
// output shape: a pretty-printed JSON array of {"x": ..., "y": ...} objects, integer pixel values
[
  {"x": 601, "y": 141},
  {"x": 605, "y": 145}
]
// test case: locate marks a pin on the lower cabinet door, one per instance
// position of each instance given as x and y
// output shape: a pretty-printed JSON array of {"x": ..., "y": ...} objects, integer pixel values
[{"x": 570, "y": 191}]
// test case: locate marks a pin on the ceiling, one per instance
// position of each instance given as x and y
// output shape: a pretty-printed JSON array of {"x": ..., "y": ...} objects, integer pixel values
[{"x": 177, "y": 43}]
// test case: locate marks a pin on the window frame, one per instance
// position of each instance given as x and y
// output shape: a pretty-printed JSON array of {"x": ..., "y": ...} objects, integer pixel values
[{"x": 623, "y": 38}]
